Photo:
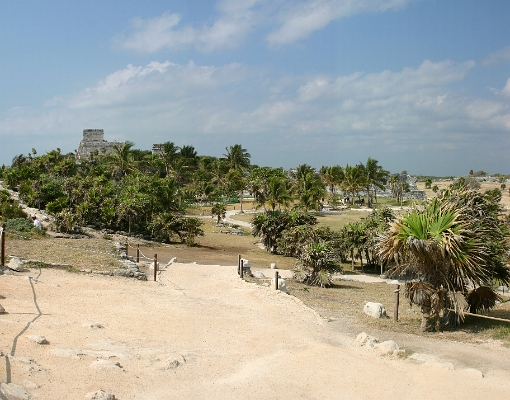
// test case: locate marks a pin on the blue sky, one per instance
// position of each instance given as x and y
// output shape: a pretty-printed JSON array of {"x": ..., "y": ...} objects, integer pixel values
[{"x": 420, "y": 85}]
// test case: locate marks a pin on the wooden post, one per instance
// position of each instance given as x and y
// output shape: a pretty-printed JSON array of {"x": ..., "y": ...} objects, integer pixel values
[
  {"x": 127, "y": 249},
  {"x": 137, "y": 253},
  {"x": 238, "y": 264},
  {"x": 276, "y": 280},
  {"x": 241, "y": 270},
  {"x": 155, "y": 267},
  {"x": 397, "y": 299},
  {"x": 2, "y": 260}
]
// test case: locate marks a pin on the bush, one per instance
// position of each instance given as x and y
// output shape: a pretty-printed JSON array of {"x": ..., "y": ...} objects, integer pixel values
[{"x": 19, "y": 225}]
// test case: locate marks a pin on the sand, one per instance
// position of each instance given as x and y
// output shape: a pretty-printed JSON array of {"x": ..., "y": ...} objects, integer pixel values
[{"x": 199, "y": 333}]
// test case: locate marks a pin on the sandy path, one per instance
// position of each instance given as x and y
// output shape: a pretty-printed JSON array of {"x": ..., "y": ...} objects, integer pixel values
[{"x": 231, "y": 339}]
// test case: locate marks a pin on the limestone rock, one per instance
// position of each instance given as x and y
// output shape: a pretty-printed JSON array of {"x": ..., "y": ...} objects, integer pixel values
[
  {"x": 100, "y": 395},
  {"x": 258, "y": 274},
  {"x": 11, "y": 391},
  {"x": 387, "y": 347},
  {"x": 363, "y": 339},
  {"x": 16, "y": 264},
  {"x": 282, "y": 286},
  {"x": 39, "y": 339},
  {"x": 375, "y": 310},
  {"x": 30, "y": 385},
  {"x": 273, "y": 265}
]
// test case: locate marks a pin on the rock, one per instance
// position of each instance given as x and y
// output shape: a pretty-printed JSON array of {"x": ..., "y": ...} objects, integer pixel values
[
  {"x": 246, "y": 263},
  {"x": 387, "y": 347},
  {"x": 259, "y": 274},
  {"x": 2, "y": 310},
  {"x": 39, "y": 339},
  {"x": 30, "y": 385},
  {"x": 375, "y": 310},
  {"x": 106, "y": 365},
  {"x": 282, "y": 286},
  {"x": 273, "y": 265},
  {"x": 100, "y": 395},
  {"x": 363, "y": 339},
  {"x": 11, "y": 391},
  {"x": 16, "y": 264},
  {"x": 173, "y": 260}
]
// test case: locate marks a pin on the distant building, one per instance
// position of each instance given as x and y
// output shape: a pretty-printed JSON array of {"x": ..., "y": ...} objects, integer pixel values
[
  {"x": 157, "y": 148},
  {"x": 93, "y": 140}
]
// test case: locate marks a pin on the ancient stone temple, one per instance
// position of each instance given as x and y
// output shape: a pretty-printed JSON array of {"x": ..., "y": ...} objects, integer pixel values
[{"x": 93, "y": 140}]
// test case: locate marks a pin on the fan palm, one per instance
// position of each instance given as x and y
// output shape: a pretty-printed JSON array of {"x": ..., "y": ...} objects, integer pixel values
[{"x": 451, "y": 247}]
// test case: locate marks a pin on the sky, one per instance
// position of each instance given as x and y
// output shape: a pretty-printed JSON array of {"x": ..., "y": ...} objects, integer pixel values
[{"x": 419, "y": 85}]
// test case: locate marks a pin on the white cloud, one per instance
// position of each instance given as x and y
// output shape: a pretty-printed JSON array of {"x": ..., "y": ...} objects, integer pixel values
[
  {"x": 506, "y": 89},
  {"x": 502, "y": 55},
  {"x": 412, "y": 111},
  {"x": 165, "y": 32},
  {"x": 299, "y": 19}
]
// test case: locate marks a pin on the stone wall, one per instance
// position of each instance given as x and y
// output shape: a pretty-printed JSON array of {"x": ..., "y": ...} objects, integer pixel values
[{"x": 93, "y": 140}]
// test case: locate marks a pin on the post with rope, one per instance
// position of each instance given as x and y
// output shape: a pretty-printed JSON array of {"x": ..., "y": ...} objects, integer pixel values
[
  {"x": 238, "y": 264},
  {"x": 241, "y": 270},
  {"x": 127, "y": 249},
  {"x": 137, "y": 253},
  {"x": 2, "y": 234},
  {"x": 155, "y": 267},
  {"x": 276, "y": 280}
]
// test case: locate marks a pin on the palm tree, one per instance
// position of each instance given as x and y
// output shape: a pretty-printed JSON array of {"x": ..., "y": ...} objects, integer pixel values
[
  {"x": 456, "y": 243},
  {"x": 168, "y": 156},
  {"x": 317, "y": 263},
  {"x": 332, "y": 177},
  {"x": 238, "y": 159},
  {"x": 121, "y": 160},
  {"x": 375, "y": 177},
  {"x": 277, "y": 193},
  {"x": 354, "y": 180}
]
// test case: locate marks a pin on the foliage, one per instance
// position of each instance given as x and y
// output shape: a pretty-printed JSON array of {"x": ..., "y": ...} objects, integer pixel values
[
  {"x": 18, "y": 225},
  {"x": 317, "y": 262},
  {"x": 219, "y": 210},
  {"x": 455, "y": 243},
  {"x": 10, "y": 208},
  {"x": 270, "y": 225}
]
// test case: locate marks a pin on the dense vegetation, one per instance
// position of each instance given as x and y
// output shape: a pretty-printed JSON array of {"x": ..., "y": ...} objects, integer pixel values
[{"x": 454, "y": 247}]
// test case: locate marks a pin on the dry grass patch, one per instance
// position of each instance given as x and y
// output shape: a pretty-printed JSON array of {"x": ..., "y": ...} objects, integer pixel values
[
  {"x": 94, "y": 254},
  {"x": 345, "y": 300}
]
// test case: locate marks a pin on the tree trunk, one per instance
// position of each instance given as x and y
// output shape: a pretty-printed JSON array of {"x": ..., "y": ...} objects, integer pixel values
[{"x": 427, "y": 324}]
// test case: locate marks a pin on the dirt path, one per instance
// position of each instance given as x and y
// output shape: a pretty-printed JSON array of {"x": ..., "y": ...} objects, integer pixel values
[{"x": 200, "y": 332}]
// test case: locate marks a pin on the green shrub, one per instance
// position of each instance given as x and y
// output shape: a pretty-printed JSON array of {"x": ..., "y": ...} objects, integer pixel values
[{"x": 19, "y": 225}]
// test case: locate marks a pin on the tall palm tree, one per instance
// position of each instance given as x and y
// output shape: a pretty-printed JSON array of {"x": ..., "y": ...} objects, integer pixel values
[
  {"x": 456, "y": 243},
  {"x": 277, "y": 193},
  {"x": 375, "y": 177},
  {"x": 332, "y": 177},
  {"x": 121, "y": 160},
  {"x": 238, "y": 159},
  {"x": 168, "y": 156}
]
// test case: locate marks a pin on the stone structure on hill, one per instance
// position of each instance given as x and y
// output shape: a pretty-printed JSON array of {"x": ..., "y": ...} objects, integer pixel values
[
  {"x": 157, "y": 148},
  {"x": 92, "y": 142}
]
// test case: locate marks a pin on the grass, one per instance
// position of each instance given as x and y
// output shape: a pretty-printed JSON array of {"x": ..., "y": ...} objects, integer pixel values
[
  {"x": 94, "y": 254},
  {"x": 345, "y": 300}
]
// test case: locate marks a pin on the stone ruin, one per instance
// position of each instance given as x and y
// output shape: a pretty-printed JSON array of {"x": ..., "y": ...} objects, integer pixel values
[{"x": 92, "y": 142}]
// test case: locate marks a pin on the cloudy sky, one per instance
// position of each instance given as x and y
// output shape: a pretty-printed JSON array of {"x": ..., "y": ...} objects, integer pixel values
[{"x": 420, "y": 85}]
